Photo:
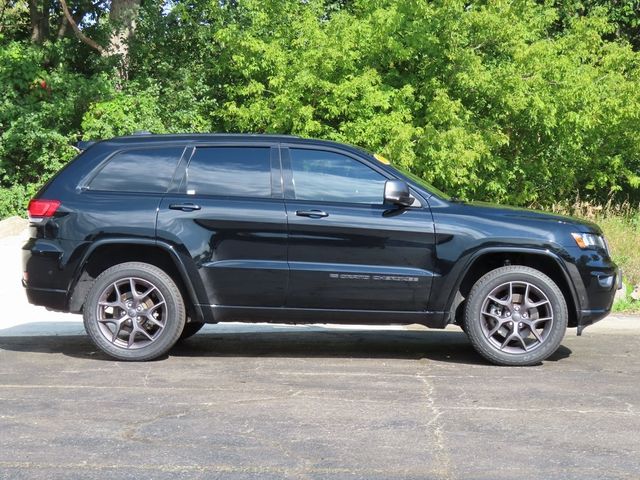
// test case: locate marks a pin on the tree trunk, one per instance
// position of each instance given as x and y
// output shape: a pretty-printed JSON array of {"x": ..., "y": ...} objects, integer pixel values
[
  {"x": 62, "y": 27},
  {"x": 39, "y": 17},
  {"x": 122, "y": 18}
]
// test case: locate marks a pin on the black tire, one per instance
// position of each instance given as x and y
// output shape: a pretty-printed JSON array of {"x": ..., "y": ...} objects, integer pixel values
[
  {"x": 522, "y": 334},
  {"x": 134, "y": 311},
  {"x": 190, "y": 329}
]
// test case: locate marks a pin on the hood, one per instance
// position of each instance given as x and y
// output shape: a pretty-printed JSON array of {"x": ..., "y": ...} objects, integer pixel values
[{"x": 516, "y": 213}]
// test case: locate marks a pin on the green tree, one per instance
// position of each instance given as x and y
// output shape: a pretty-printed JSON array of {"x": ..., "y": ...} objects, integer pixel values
[{"x": 524, "y": 102}]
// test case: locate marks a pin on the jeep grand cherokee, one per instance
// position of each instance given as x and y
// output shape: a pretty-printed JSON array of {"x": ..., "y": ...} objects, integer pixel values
[{"x": 152, "y": 236}]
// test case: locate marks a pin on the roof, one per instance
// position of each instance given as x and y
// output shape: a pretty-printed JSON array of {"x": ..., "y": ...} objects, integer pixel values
[{"x": 146, "y": 137}]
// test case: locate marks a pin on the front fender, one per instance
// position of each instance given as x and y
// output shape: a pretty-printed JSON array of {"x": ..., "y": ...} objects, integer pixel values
[{"x": 452, "y": 282}]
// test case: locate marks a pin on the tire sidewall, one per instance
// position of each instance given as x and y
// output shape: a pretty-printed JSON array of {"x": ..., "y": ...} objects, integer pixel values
[
  {"x": 514, "y": 274},
  {"x": 175, "y": 311}
]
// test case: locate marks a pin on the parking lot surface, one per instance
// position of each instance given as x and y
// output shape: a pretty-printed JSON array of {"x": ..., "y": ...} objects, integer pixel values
[
  {"x": 279, "y": 402},
  {"x": 312, "y": 402}
]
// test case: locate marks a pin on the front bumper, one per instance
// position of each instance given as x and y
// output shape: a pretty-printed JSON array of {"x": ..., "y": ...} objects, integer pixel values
[{"x": 596, "y": 279}]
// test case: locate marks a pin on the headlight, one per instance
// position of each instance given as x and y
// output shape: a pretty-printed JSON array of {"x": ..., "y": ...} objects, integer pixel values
[{"x": 590, "y": 240}]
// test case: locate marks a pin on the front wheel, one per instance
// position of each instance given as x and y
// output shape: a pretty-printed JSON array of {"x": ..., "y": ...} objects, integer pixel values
[
  {"x": 134, "y": 311},
  {"x": 515, "y": 315}
]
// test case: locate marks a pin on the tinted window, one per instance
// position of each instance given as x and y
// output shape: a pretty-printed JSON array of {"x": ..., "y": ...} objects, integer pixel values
[
  {"x": 331, "y": 177},
  {"x": 148, "y": 170},
  {"x": 230, "y": 171}
]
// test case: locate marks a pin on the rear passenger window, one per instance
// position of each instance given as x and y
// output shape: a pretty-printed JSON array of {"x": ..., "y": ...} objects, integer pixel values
[
  {"x": 230, "y": 171},
  {"x": 141, "y": 170}
]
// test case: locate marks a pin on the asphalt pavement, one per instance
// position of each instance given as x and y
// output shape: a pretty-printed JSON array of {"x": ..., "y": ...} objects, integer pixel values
[{"x": 311, "y": 402}]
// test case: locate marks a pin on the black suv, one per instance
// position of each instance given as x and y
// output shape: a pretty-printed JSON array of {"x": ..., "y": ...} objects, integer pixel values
[{"x": 152, "y": 236}]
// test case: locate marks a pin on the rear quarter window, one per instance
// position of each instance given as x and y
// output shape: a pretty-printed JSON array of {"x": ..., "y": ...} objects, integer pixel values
[{"x": 148, "y": 170}]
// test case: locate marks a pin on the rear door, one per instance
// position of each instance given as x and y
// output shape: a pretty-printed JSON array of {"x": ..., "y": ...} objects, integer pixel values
[
  {"x": 228, "y": 213},
  {"x": 347, "y": 250}
]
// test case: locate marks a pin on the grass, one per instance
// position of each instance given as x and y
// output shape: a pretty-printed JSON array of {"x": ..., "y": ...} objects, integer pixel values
[{"x": 621, "y": 226}]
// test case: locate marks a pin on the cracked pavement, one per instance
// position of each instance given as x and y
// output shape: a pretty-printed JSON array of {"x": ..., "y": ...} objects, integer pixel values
[
  {"x": 311, "y": 402},
  {"x": 241, "y": 402}
]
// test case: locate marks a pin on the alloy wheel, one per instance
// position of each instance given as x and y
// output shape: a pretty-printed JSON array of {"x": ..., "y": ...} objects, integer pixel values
[
  {"x": 131, "y": 313},
  {"x": 517, "y": 317}
]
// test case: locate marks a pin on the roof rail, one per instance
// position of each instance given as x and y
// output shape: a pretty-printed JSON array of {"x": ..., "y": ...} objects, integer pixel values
[{"x": 141, "y": 132}]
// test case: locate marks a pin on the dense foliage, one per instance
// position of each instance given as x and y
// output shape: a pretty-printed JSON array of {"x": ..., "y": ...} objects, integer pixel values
[{"x": 521, "y": 102}]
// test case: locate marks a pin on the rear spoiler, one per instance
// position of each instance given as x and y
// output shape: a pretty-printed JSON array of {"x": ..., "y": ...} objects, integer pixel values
[{"x": 82, "y": 145}]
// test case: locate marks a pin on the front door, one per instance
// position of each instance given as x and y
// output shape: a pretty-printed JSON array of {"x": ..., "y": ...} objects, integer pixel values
[{"x": 347, "y": 249}]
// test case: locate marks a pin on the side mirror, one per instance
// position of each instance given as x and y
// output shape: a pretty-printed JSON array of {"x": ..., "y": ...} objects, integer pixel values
[{"x": 397, "y": 193}]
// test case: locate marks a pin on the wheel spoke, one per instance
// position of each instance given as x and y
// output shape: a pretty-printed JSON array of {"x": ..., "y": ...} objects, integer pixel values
[
  {"x": 538, "y": 304},
  {"x": 153, "y": 308},
  {"x": 145, "y": 333},
  {"x": 507, "y": 340},
  {"x": 536, "y": 334},
  {"x": 544, "y": 319},
  {"x": 522, "y": 342},
  {"x": 497, "y": 327},
  {"x": 154, "y": 321},
  {"x": 118, "y": 294},
  {"x": 112, "y": 305},
  {"x": 116, "y": 332},
  {"x": 109, "y": 320},
  {"x": 118, "y": 327},
  {"x": 498, "y": 301},
  {"x": 134, "y": 292},
  {"x": 493, "y": 315},
  {"x": 132, "y": 337},
  {"x": 147, "y": 292},
  {"x": 514, "y": 335}
]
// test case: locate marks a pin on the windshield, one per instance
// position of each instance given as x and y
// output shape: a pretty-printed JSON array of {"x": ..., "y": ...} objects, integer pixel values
[{"x": 408, "y": 175}]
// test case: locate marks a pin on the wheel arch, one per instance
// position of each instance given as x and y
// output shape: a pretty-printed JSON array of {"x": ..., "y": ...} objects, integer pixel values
[
  {"x": 489, "y": 259},
  {"x": 108, "y": 252}
]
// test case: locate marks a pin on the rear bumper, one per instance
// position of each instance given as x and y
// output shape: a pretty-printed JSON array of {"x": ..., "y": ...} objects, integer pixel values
[
  {"x": 46, "y": 277},
  {"x": 46, "y": 297}
]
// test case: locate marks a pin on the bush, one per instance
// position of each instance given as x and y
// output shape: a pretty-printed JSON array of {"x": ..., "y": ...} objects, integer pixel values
[{"x": 40, "y": 114}]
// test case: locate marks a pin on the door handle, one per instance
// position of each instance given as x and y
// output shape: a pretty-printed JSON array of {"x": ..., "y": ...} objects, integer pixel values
[
  {"x": 312, "y": 213},
  {"x": 185, "y": 207}
]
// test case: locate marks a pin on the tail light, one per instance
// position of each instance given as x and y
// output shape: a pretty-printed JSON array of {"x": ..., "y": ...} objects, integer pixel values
[{"x": 39, "y": 209}]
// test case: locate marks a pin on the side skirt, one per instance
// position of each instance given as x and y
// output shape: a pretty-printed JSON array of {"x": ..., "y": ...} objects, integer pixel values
[{"x": 225, "y": 313}]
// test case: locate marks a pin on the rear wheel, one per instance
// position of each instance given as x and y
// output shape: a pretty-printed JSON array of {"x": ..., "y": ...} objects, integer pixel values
[
  {"x": 515, "y": 315},
  {"x": 134, "y": 311}
]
